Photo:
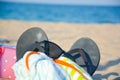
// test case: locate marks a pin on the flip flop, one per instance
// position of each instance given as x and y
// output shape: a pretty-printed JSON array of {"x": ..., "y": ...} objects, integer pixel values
[
  {"x": 28, "y": 38},
  {"x": 85, "y": 53}
]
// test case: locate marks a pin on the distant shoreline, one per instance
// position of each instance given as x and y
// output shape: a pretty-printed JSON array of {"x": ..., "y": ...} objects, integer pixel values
[
  {"x": 55, "y": 22},
  {"x": 59, "y": 4}
]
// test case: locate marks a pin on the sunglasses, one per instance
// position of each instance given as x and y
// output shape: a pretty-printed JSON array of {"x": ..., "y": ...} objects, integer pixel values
[{"x": 49, "y": 48}]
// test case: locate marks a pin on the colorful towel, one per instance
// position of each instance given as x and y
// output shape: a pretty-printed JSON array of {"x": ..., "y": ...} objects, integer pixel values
[
  {"x": 75, "y": 71},
  {"x": 38, "y": 66}
]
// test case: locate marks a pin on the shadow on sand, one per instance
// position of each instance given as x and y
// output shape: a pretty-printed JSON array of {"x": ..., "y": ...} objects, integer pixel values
[{"x": 104, "y": 67}]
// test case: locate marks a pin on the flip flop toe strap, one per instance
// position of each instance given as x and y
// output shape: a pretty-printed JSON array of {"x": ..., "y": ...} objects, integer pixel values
[{"x": 80, "y": 53}]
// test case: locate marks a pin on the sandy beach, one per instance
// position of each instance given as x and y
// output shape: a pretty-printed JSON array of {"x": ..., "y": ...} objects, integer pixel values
[{"x": 107, "y": 37}]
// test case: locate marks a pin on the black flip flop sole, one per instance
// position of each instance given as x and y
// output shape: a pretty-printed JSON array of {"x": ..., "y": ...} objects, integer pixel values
[
  {"x": 28, "y": 38},
  {"x": 92, "y": 53}
]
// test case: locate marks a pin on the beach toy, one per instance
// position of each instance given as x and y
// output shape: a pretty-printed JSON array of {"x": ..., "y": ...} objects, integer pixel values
[
  {"x": 86, "y": 55},
  {"x": 28, "y": 38},
  {"x": 7, "y": 60}
]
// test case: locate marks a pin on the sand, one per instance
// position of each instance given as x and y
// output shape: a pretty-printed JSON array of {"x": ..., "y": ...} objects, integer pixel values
[{"x": 107, "y": 37}]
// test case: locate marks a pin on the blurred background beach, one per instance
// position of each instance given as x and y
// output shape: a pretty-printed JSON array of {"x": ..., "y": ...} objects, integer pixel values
[{"x": 64, "y": 23}]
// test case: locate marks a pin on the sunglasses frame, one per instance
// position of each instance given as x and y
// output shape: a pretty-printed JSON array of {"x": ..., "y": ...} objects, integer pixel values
[{"x": 47, "y": 47}]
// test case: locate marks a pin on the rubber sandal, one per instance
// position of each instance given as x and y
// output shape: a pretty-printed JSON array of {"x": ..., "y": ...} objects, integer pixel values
[
  {"x": 88, "y": 56},
  {"x": 28, "y": 38}
]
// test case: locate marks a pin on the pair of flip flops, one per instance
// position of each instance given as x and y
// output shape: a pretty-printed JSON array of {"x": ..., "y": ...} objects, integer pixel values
[{"x": 84, "y": 51}]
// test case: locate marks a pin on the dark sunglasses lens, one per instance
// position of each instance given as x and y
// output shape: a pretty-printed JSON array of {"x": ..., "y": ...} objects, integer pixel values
[
  {"x": 49, "y": 48},
  {"x": 52, "y": 49}
]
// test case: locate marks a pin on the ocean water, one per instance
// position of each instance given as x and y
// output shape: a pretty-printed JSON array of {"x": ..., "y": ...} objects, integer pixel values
[{"x": 59, "y": 13}]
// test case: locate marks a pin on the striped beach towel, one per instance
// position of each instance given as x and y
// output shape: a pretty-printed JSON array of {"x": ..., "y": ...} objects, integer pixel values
[{"x": 75, "y": 71}]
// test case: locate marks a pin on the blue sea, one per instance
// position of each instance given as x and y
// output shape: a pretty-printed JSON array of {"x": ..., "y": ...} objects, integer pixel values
[{"x": 59, "y": 13}]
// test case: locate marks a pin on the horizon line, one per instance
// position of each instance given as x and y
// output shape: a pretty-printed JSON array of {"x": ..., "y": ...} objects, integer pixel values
[{"x": 59, "y": 3}]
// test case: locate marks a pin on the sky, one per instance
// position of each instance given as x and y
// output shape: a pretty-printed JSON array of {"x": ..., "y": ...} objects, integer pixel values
[{"x": 74, "y": 2}]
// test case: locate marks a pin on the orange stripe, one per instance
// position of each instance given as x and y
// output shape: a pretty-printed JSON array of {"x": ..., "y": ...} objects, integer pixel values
[
  {"x": 69, "y": 65},
  {"x": 27, "y": 58}
]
